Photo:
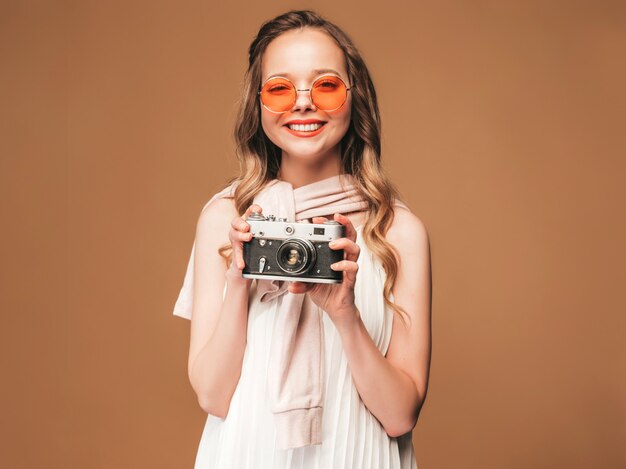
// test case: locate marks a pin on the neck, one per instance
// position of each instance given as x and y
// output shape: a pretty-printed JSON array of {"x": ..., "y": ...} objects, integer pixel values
[{"x": 300, "y": 172}]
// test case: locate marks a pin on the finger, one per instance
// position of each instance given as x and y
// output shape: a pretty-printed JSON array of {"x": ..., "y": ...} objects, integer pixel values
[
  {"x": 238, "y": 256},
  {"x": 350, "y": 232},
  {"x": 240, "y": 262},
  {"x": 319, "y": 219},
  {"x": 243, "y": 237},
  {"x": 240, "y": 223},
  {"x": 351, "y": 249},
  {"x": 349, "y": 269},
  {"x": 237, "y": 239},
  {"x": 252, "y": 208}
]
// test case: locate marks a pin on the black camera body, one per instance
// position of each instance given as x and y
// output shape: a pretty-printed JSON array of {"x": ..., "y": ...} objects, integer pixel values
[{"x": 293, "y": 251}]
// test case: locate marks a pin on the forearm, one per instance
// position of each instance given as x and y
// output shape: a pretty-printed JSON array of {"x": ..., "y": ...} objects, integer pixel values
[
  {"x": 388, "y": 393},
  {"x": 217, "y": 368}
]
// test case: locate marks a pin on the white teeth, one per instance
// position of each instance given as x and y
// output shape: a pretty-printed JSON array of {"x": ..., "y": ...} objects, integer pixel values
[{"x": 305, "y": 127}]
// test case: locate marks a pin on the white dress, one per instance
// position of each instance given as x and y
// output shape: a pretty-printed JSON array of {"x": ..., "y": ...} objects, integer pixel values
[{"x": 352, "y": 437}]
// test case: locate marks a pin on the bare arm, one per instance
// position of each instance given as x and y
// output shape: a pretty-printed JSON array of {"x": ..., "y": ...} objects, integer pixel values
[
  {"x": 216, "y": 368},
  {"x": 218, "y": 326},
  {"x": 393, "y": 387}
]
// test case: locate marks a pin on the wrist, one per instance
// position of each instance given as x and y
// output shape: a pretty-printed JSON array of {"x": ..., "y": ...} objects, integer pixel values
[
  {"x": 347, "y": 320},
  {"x": 235, "y": 279}
]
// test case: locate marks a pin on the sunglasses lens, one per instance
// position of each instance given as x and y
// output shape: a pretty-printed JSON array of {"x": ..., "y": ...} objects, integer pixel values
[
  {"x": 278, "y": 95},
  {"x": 328, "y": 93}
]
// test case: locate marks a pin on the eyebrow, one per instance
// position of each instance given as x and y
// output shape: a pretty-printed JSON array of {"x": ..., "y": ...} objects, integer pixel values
[{"x": 318, "y": 71}]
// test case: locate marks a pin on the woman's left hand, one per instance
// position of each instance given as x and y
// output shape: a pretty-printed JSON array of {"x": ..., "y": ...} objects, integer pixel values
[{"x": 337, "y": 299}]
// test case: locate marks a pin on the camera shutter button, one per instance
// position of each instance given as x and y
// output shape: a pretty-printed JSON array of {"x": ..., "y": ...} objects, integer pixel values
[{"x": 256, "y": 216}]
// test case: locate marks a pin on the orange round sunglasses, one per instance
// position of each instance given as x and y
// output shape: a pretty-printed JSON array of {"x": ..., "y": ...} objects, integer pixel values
[{"x": 328, "y": 93}]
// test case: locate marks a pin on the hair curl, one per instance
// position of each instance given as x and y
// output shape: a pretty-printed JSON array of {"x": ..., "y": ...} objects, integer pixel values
[{"x": 259, "y": 158}]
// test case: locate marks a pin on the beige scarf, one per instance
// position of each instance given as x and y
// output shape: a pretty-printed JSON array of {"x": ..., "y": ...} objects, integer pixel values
[{"x": 295, "y": 371}]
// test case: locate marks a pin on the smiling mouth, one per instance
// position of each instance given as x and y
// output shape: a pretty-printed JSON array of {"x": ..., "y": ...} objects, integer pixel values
[{"x": 306, "y": 127}]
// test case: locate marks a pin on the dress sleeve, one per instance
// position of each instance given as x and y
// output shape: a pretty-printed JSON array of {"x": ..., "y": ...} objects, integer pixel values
[{"x": 184, "y": 302}]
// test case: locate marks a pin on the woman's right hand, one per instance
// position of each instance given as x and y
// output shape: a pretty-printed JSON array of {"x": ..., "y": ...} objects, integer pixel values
[{"x": 240, "y": 232}]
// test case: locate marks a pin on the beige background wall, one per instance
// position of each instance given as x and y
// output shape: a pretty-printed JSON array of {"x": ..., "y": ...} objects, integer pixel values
[{"x": 503, "y": 125}]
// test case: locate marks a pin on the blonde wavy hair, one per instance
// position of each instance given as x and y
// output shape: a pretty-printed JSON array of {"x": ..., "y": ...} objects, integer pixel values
[{"x": 259, "y": 158}]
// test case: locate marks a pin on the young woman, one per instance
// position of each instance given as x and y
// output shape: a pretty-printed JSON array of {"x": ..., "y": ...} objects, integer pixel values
[{"x": 305, "y": 374}]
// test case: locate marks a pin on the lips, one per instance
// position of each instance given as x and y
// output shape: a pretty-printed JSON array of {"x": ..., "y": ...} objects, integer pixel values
[
  {"x": 305, "y": 131},
  {"x": 305, "y": 121}
]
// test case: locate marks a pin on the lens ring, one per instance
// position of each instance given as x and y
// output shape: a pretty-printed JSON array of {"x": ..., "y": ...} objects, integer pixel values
[
  {"x": 343, "y": 86},
  {"x": 279, "y": 102},
  {"x": 301, "y": 252}
]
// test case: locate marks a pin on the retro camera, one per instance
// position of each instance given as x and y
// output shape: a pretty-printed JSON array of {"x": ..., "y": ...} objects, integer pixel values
[{"x": 293, "y": 251}]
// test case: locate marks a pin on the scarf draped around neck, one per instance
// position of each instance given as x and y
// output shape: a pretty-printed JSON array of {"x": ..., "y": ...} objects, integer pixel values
[{"x": 295, "y": 371}]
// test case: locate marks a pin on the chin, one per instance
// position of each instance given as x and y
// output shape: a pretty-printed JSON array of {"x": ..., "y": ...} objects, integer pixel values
[
  {"x": 305, "y": 149},
  {"x": 304, "y": 155}
]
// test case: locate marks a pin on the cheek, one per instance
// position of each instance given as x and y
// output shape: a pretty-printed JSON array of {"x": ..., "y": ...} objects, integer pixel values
[
  {"x": 270, "y": 126},
  {"x": 267, "y": 122},
  {"x": 343, "y": 119}
]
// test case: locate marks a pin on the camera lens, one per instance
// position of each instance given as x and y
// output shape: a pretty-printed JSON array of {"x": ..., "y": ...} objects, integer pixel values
[{"x": 295, "y": 255}]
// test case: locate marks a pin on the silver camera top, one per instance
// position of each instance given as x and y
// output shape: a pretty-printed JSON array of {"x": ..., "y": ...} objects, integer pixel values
[{"x": 271, "y": 227}]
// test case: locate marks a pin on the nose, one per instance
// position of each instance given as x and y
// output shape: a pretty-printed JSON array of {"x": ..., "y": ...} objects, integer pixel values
[{"x": 303, "y": 100}]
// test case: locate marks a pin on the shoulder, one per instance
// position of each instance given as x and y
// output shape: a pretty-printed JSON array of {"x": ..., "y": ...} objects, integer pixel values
[
  {"x": 407, "y": 232},
  {"x": 214, "y": 220},
  {"x": 219, "y": 206}
]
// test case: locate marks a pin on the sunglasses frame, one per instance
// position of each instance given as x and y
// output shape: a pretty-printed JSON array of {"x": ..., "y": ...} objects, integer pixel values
[{"x": 307, "y": 89}]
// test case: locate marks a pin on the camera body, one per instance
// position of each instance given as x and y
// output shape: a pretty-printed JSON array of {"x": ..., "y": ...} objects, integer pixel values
[{"x": 293, "y": 251}]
